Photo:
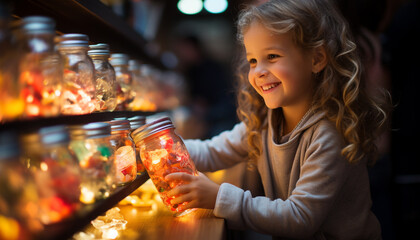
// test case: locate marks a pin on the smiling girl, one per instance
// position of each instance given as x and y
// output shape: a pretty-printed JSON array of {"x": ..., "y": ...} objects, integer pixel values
[{"x": 306, "y": 124}]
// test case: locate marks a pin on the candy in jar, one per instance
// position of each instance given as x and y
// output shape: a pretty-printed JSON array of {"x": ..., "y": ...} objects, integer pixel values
[
  {"x": 106, "y": 94},
  {"x": 136, "y": 122},
  {"x": 79, "y": 85},
  {"x": 163, "y": 152},
  {"x": 125, "y": 155},
  {"x": 55, "y": 171},
  {"x": 91, "y": 143},
  {"x": 125, "y": 93},
  {"x": 40, "y": 67}
]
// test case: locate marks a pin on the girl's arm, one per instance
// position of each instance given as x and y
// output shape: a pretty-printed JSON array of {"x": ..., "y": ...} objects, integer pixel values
[{"x": 220, "y": 152}]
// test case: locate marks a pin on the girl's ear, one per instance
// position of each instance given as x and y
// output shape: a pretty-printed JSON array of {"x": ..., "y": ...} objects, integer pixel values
[{"x": 319, "y": 60}]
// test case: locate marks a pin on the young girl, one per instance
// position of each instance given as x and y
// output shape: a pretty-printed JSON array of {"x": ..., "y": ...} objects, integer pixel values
[{"x": 306, "y": 123}]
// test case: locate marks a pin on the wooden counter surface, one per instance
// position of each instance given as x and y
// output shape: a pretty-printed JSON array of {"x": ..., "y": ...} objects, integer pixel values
[{"x": 156, "y": 222}]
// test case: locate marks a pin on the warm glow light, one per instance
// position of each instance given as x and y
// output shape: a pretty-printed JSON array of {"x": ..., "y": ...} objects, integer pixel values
[
  {"x": 44, "y": 167},
  {"x": 215, "y": 6},
  {"x": 110, "y": 234},
  {"x": 87, "y": 196},
  {"x": 190, "y": 7}
]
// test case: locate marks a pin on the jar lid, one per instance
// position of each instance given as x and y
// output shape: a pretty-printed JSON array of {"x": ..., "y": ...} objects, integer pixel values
[
  {"x": 90, "y": 130},
  {"x": 119, "y": 59},
  {"x": 152, "y": 128},
  {"x": 133, "y": 65},
  {"x": 137, "y": 121},
  {"x": 9, "y": 145},
  {"x": 37, "y": 25},
  {"x": 119, "y": 125},
  {"x": 100, "y": 49},
  {"x": 54, "y": 135},
  {"x": 73, "y": 40}
]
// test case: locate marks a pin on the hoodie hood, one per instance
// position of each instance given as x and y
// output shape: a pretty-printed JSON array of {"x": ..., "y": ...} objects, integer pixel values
[{"x": 275, "y": 118}]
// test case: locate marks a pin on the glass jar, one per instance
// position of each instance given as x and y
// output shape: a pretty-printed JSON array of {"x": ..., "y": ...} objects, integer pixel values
[
  {"x": 78, "y": 95},
  {"x": 16, "y": 191},
  {"x": 40, "y": 67},
  {"x": 11, "y": 104},
  {"x": 106, "y": 95},
  {"x": 125, "y": 155},
  {"x": 125, "y": 94},
  {"x": 163, "y": 152},
  {"x": 136, "y": 122},
  {"x": 91, "y": 143},
  {"x": 55, "y": 172}
]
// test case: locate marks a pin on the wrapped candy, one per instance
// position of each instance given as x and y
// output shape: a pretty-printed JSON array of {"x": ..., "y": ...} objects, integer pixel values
[{"x": 125, "y": 155}]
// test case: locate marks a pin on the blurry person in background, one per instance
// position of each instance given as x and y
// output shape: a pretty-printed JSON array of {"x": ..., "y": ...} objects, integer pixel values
[
  {"x": 366, "y": 18},
  {"x": 209, "y": 82}
]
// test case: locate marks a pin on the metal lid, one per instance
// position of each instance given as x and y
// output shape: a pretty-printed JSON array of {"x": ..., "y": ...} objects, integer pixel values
[
  {"x": 9, "y": 146},
  {"x": 73, "y": 40},
  {"x": 119, "y": 59},
  {"x": 133, "y": 65},
  {"x": 119, "y": 125},
  {"x": 149, "y": 129},
  {"x": 137, "y": 121},
  {"x": 54, "y": 135},
  {"x": 37, "y": 25},
  {"x": 100, "y": 49},
  {"x": 91, "y": 130}
]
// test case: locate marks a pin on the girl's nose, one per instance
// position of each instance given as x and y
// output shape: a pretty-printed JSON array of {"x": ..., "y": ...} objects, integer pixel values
[{"x": 260, "y": 72}]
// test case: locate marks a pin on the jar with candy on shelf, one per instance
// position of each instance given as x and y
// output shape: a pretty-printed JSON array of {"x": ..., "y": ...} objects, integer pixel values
[
  {"x": 106, "y": 94},
  {"x": 55, "y": 172},
  {"x": 40, "y": 66},
  {"x": 79, "y": 85},
  {"x": 91, "y": 143},
  {"x": 17, "y": 192},
  {"x": 11, "y": 104},
  {"x": 135, "y": 123},
  {"x": 163, "y": 152},
  {"x": 124, "y": 152},
  {"x": 125, "y": 93}
]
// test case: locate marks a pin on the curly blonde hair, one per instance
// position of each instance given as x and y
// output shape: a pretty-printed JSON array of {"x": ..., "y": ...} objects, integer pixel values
[{"x": 340, "y": 89}]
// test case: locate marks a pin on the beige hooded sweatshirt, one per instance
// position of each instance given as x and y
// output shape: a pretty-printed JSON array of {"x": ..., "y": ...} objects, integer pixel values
[{"x": 311, "y": 191}]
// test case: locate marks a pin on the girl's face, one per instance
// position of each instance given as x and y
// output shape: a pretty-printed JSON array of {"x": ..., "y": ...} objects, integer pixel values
[{"x": 280, "y": 71}]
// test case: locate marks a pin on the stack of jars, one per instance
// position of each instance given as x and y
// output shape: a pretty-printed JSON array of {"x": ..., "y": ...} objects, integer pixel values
[
  {"x": 49, "y": 174},
  {"x": 42, "y": 75}
]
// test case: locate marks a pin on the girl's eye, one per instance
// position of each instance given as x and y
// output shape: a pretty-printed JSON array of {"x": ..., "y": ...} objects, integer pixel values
[
  {"x": 272, "y": 56},
  {"x": 252, "y": 61}
]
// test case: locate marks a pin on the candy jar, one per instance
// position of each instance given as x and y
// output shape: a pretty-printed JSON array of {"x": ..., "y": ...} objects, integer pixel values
[
  {"x": 91, "y": 143},
  {"x": 163, "y": 152},
  {"x": 79, "y": 75},
  {"x": 11, "y": 104},
  {"x": 136, "y": 122},
  {"x": 55, "y": 171},
  {"x": 17, "y": 190},
  {"x": 106, "y": 95},
  {"x": 125, "y": 94},
  {"x": 125, "y": 155}
]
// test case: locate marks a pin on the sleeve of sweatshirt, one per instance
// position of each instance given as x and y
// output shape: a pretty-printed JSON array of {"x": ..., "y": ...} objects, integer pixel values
[
  {"x": 219, "y": 152},
  {"x": 323, "y": 173}
]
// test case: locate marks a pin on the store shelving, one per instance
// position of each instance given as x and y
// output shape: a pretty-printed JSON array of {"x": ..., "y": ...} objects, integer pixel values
[{"x": 93, "y": 18}]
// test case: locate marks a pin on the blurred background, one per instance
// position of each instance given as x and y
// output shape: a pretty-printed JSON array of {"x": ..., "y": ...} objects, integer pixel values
[{"x": 194, "y": 40}]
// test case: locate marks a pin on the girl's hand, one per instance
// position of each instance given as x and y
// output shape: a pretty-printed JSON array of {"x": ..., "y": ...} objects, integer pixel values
[{"x": 199, "y": 191}]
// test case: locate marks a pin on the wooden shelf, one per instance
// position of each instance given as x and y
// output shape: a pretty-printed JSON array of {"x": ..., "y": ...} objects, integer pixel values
[
  {"x": 93, "y": 18},
  {"x": 65, "y": 229}
]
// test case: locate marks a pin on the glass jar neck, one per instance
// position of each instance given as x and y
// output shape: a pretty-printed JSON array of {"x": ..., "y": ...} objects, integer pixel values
[
  {"x": 73, "y": 50},
  {"x": 100, "y": 57}
]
